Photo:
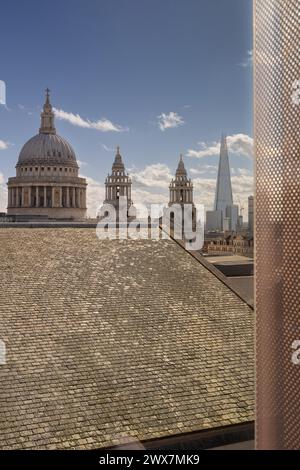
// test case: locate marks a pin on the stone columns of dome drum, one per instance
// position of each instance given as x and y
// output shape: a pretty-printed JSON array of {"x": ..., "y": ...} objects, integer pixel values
[
  {"x": 45, "y": 196},
  {"x": 68, "y": 196},
  {"x": 73, "y": 198}
]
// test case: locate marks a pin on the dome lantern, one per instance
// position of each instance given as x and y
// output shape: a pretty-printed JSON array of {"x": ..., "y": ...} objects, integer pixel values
[{"x": 47, "y": 116}]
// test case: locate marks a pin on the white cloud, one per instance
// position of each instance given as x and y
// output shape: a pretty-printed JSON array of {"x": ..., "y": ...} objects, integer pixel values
[
  {"x": 81, "y": 164},
  {"x": 169, "y": 121},
  {"x": 156, "y": 175},
  {"x": 107, "y": 149},
  {"x": 151, "y": 184},
  {"x": 240, "y": 144},
  {"x": 142, "y": 196},
  {"x": 94, "y": 195},
  {"x": 103, "y": 125},
  {"x": 242, "y": 172},
  {"x": 3, "y": 193},
  {"x": 204, "y": 191},
  {"x": 2, "y": 93},
  {"x": 206, "y": 150},
  {"x": 203, "y": 169},
  {"x": 242, "y": 188},
  {"x": 248, "y": 61},
  {"x": 4, "y": 145}
]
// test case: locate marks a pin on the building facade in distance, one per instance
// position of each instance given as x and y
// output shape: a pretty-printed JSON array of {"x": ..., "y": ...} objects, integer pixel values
[
  {"x": 47, "y": 184},
  {"x": 231, "y": 245}
]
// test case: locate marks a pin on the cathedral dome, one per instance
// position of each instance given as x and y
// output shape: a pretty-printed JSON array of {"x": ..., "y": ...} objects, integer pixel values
[
  {"x": 47, "y": 148},
  {"x": 47, "y": 184}
]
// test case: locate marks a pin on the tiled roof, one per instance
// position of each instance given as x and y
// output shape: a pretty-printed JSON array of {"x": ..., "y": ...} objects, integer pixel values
[{"x": 108, "y": 339}]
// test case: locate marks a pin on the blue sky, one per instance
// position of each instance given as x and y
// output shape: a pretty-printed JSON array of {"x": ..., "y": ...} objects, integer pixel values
[{"x": 120, "y": 72}]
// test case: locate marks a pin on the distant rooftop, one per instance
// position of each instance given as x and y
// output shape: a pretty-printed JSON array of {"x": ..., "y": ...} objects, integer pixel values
[
  {"x": 229, "y": 259},
  {"x": 109, "y": 339}
]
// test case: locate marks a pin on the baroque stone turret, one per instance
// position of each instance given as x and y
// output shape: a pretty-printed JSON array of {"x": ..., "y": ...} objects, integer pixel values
[
  {"x": 181, "y": 188},
  {"x": 118, "y": 183}
]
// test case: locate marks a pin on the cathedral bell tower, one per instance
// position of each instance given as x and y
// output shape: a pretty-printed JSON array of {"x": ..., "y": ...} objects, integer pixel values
[
  {"x": 118, "y": 184},
  {"x": 181, "y": 188},
  {"x": 181, "y": 194}
]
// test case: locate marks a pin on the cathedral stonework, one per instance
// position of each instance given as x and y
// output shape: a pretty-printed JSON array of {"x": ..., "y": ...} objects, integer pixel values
[
  {"x": 181, "y": 188},
  {"x": 47, "y": 183},
  {"x": 118, "y": 184},
  {"x": 181, "y": 194}
]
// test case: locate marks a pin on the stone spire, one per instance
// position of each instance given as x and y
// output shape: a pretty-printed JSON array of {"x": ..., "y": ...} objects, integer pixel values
[
  {"x": 47, "y": 116},
  {"x": 223, "y": 197},
  {"x": 118, "y": 163},
  {"x": 181, "y": 171}
]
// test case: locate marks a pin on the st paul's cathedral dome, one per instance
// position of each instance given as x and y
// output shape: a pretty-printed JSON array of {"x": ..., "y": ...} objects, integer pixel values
[{"x": 47, "y": 182}]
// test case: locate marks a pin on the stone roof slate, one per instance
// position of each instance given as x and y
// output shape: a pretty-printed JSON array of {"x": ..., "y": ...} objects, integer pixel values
[{"x": 108, "y": 339}]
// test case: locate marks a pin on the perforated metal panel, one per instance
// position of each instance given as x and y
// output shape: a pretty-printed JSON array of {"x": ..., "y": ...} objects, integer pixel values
[{"x": 277, "y": 136}]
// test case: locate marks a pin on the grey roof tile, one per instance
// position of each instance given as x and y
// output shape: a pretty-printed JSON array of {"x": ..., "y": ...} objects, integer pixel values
[{"x": 90, "y": 362}]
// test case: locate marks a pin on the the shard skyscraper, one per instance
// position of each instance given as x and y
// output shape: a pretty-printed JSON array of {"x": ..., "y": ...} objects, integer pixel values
[
  {"x": 224, "y": 217},
  {"x": 223, "y": 197}
]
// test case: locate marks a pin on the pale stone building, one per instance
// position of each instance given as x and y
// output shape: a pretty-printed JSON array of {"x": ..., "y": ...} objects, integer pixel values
[
  {"x": 118, "y": 183},
  {"x": 181, "y": 188},
  {"x": 181, "y": 194},
  {"x": 47, "y": 182}
]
